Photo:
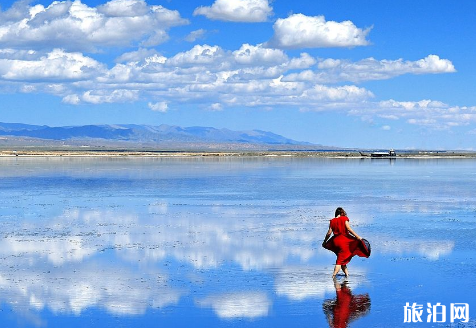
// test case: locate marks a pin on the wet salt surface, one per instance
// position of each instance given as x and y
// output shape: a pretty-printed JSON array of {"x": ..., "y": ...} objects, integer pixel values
[{"x": 231, "y": 242}]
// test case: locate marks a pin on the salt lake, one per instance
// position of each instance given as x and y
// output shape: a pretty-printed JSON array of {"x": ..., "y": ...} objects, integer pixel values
[{"x": 233, "y": 242}]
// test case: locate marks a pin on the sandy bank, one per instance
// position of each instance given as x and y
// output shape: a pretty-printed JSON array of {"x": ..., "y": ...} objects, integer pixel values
[{"x": 180, "y": 153}]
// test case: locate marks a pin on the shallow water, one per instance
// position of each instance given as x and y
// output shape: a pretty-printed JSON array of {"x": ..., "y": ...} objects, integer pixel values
[{"x": 231, "y": 242}]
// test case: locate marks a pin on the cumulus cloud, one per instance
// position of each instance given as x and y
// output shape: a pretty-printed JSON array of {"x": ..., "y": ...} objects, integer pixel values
[
  {"x": 336, "y": 70},
  {"x": 195, "y": 35},
  {"x": 137, "y": 56},
  {"x": 215, "y": 78},
  {"x": 43, "y": 51},
  {"x": 412, "y": 105},
  {"x": 237, "y": 10},
  {"x": 198, "y": 55},
  {"x": 124, "y": 8},
  {"x": 301, "y": 31},
  {"x": 159, "y": 106},
  {"x": 348, "y": 93},
  {"x": 429, "y": 113},
  {"x": 76, "y": 26},
  {"x": 256, "y": 55},
  {"x": 55, "y": 65},
  {"x": 249, "y": 76},
  {"x": 8, "y": 53},
  {"x": 216, "y": 107},
  {"x": 102, "y": 96}
]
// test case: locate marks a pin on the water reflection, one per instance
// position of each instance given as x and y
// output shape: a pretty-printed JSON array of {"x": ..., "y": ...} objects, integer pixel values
[
  {"x": 345, "y": 307},
  {"x": 300, "y": 283},
  {"x": 238, "y": 305},
  {"x": 229, "y": 241},
  {"x": 73, "y": 289},
  {"x": 65, "y": 264}
]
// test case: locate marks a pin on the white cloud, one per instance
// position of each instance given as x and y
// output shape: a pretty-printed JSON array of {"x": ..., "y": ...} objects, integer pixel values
[
  {"x": 433, "y": 64},
  {"x": 412, "y": 105},
  {"x": 198, "y": 55},
  {"x": 257, "y": 55},
  {"x": 347, "y": 93},
  {"x": 76, "y": 26},
  {"x": 156, "y": 38},
  {"x": 237, "y": 10},
  {"x": 102, "y": 96},
  {"x": 216, "y": 107},
  {"x": 303, "y": 62},
  {"x": 249, "y": 76},
  {"x": 17, "y": 11},
  {"x": 124, "y": 8},
  {"x": 56, "y": 65},
  {"x": 8, "y": 53},
  {"x": 300, "y": 31},
  {"x": 71, "y": 99},
  {"x": 195, "y": 35},
  {"x": 158, "y": 106},
  {"x": 137, "y": 56},
  {"x": 429, "y": 113},
  {"x": 335, "y": 70},
  {"x": 238, "y": 305},
  {"x": 215, "y": 78}
]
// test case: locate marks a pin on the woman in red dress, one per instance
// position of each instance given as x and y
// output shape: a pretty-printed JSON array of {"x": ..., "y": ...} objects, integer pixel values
[{"x": 345, "y": 243}]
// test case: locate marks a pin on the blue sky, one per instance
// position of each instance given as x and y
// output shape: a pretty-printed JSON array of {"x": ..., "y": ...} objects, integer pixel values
[{"x": 376, "y": 74}]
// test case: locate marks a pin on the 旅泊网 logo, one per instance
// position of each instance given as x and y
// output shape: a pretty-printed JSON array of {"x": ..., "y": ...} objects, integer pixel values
[{"x": 458, "y": 312}]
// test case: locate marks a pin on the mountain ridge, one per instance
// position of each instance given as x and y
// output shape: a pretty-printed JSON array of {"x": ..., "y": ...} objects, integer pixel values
[{"x": 137, "y": 135}]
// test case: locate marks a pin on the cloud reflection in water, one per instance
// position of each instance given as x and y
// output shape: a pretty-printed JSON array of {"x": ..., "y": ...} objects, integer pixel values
[
  {"x": 238, "y": 305},
  {"x": 109, "y": 259},
  {"x": 303, "y": 282},
  {"x": 73, "y": 288}
]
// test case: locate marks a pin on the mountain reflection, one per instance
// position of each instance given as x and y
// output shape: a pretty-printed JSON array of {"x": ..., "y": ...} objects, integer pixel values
[{"x": 345, "y": 307}]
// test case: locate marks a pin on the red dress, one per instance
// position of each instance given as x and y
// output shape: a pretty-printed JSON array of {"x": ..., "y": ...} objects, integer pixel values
[{"x": 344, "y": 245}]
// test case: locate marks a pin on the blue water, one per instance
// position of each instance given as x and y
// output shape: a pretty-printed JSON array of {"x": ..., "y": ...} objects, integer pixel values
[{"x": 232, "y": 242}]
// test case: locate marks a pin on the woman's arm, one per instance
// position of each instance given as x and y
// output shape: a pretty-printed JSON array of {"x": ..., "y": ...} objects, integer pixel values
[
  {"x": 347, "y": 225},
  {"x": 328, "y": 234}
]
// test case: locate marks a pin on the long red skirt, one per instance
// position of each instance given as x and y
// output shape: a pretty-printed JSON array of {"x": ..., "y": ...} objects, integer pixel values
[{"x": 346, "y": 247}]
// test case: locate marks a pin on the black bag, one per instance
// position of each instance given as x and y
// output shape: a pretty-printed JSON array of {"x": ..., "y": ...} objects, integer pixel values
[{"x": 366, "y": 246}]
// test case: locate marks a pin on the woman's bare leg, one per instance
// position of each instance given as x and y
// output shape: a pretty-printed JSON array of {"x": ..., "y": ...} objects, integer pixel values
[
  {"x": 336, "y": 269},
  {"x": 346, "y": 272}
]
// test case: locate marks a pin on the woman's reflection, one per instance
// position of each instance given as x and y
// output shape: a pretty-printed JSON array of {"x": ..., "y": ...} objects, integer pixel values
[{"x": 345, "y": 307}]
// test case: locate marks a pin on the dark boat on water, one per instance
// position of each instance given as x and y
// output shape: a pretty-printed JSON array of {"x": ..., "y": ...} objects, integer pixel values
[{"x": 380, "y": 154}]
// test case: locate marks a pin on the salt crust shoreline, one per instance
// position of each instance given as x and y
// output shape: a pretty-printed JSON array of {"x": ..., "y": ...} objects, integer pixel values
[{"x": 174, "y": 154}]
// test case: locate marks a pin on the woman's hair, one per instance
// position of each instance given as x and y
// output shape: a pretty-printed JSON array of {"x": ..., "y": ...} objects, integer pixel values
[{"x": 339, "y": 211}]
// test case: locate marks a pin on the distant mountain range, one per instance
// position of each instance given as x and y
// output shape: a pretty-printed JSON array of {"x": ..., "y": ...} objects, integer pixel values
[{"x": 145, "y": 136}]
